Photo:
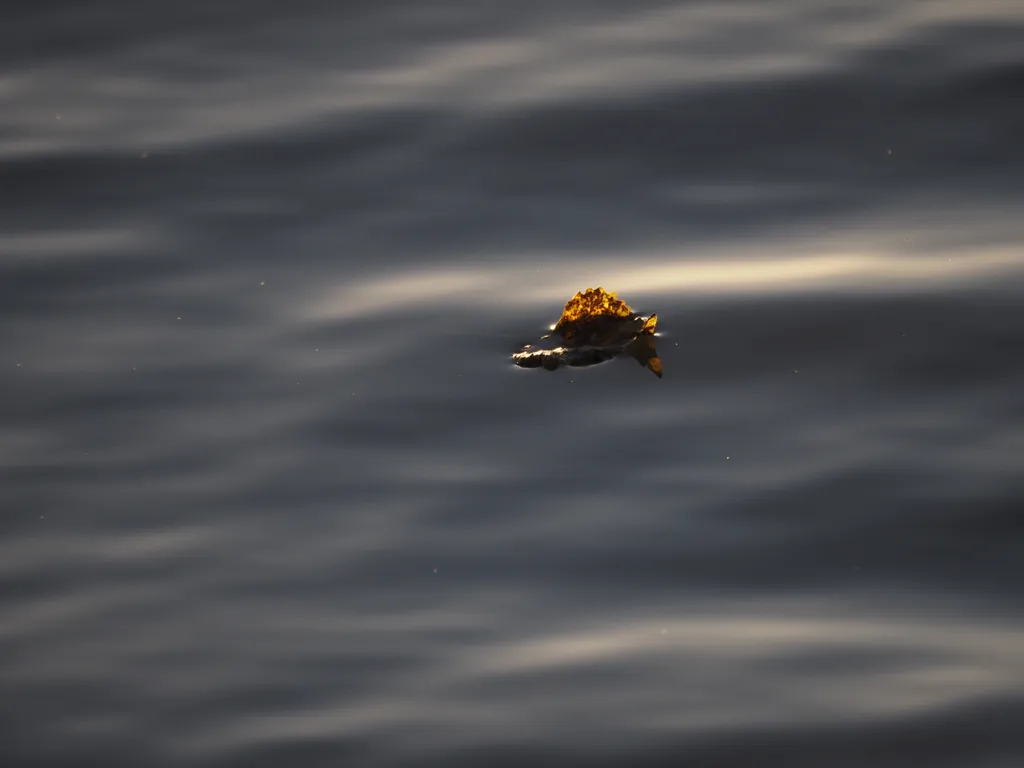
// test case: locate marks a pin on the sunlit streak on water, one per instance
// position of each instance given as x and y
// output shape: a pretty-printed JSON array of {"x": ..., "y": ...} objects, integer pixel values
[{"x": 663, "y": 273}]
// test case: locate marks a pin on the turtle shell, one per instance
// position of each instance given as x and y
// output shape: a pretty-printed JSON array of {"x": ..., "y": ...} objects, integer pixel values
[{"x": 597, "y": 317}]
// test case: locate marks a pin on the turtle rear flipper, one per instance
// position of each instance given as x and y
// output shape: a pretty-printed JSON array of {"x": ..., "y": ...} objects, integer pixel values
[{"x": 642, "y": 350}]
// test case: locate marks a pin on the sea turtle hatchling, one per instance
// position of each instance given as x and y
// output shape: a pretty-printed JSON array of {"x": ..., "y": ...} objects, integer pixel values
[{"x": 596, "y": 326}]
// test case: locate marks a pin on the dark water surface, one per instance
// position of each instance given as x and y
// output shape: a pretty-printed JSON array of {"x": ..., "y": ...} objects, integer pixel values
[{"x": 273, "y": 495}]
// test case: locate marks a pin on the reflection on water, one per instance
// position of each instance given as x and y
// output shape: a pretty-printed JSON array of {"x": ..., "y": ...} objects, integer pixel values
[
  {"x": 273, "y": 495},
  {"x": 655, "y": 273},
  {"x": 679, "y": 671}
]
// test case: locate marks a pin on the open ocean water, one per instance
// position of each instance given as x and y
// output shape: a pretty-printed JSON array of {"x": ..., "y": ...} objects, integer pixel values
[{"x": 272, "y": 493}]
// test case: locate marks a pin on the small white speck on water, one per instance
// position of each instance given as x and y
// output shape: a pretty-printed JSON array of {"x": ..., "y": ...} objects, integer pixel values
[
  {"x": 263, "y": 282},
  {"x": 888, "y": 151},
  {"x": 318, "y": 349},
  {"x": 796, "y": 370},
  {"x": 435, "y": 570},
  {"x": 179, "y": 317},
  {"x": 19, "y": 365},
  {"x": 726, "y": 458},
  {"x": 57, "y": 116}
]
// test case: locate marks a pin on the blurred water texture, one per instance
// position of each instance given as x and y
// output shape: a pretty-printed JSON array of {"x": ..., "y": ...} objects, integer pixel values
[{"x": 273, "y": 493}]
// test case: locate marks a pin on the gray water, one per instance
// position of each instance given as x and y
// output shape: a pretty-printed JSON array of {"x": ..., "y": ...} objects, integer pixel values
[{"x": 273, "y": 494}]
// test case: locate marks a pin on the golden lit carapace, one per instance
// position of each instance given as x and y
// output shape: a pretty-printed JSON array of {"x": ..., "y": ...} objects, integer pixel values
[{"x": 593, "y": 302}]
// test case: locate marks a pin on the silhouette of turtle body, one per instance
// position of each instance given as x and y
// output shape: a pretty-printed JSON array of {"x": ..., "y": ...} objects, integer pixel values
[{"x": 596, "y": 326}]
